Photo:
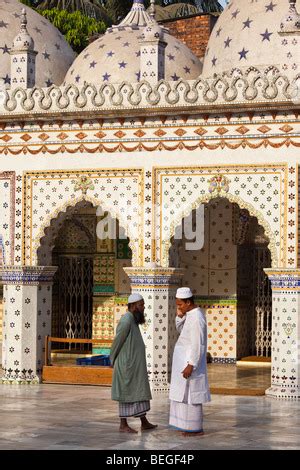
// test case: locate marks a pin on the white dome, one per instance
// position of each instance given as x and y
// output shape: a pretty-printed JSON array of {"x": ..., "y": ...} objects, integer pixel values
[
  {"x": 115, "y": 57},
  {"x": 254, "y": 33},
  {"x": 54, "y": 54}
]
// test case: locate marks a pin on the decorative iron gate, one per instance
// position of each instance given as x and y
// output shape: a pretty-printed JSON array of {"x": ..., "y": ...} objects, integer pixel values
[
  {"x": 262, "y": 302},
  {"x": 74, "y": 308}
]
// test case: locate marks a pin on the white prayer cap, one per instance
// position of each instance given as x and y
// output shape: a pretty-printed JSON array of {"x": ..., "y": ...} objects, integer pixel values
[
  {"x": 134, "y": 298},
  {"x": 184, "y": 293}
]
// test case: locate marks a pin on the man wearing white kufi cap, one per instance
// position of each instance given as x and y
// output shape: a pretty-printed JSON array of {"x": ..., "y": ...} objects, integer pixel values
[
  {"x": 130, "y": 385},
  {"x": 189, "y": 384}
]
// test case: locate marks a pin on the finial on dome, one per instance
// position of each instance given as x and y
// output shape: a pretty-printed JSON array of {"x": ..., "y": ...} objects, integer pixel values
[
  {"x": 23, "y": 40},
  {"x": 23, "y": 19},
  {"x": 152, "y": 9},
  {"x": 23, "y": 55},
  {"x": 138, "y": 16},
  {"x": 290, "y": 24},
  {"x": 292, "y": 8}
]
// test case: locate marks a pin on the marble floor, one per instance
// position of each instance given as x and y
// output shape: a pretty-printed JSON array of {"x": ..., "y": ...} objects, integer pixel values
[
  {"x": 84, "y": 417},
  {"x": 255, "y": 376},
  {"x": 241, "y": 376}
]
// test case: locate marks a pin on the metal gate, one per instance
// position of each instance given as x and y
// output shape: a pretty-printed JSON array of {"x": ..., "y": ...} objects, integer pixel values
[
  {"x": 262, "y": 302},
  {"x": 74, "y": 307}
]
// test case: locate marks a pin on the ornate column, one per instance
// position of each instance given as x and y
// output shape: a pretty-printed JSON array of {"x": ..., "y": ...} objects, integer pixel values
[
  {"x": 158, "y": 287},
  {"x": 285, "y": 333},
  {"x": 27, "y": 303}
]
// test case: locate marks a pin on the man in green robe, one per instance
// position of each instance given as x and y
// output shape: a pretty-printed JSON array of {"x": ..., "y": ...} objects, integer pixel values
[{"x": 130, "y": 386}]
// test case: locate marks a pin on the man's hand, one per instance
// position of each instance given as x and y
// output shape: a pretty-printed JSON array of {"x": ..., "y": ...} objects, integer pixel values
[
  {"x": 187, "y": 372},
  {"x": 179, "y": 313}
]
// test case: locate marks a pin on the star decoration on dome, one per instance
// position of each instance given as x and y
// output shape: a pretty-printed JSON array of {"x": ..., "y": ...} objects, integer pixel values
[
  {"x": 6, "y": 79},
  {"x": 243, "y": 54},
  {"x": 247, "y": 23},
  {"x": 175, "y": 77},
  {"x": 46, "y": 55},
  {"x": 266, "y": 35},
  {"x": 227, "y": 42},
  {"x": 241, "y": 27},
  {"x": 5, "y": 49},
  {"x": 235, "y": 14},
  {"x": 271, "y": 6}
]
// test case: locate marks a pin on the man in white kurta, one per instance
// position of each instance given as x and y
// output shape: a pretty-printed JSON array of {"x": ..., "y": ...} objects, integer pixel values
[{"x": 189, "y": 383}]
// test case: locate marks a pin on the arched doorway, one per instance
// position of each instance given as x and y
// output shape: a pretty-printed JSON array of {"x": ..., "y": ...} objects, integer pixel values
[
  {"x": 74, "y": 254},
  {"x": 226, "y": 275},
  {"x": 90, "y": 286}
]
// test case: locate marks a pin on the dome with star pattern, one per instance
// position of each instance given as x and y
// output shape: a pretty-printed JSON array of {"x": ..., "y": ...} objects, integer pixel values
[
  {"x": 256, "y": 33},
  {"x": 54, "y": 54},
  {"x": 115, "y": 56}
]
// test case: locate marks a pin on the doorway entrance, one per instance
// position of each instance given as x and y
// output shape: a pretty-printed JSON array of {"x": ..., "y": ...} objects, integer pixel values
[
  {"x": 73, "y": 253},
  {"x": 228, "y": 280}
]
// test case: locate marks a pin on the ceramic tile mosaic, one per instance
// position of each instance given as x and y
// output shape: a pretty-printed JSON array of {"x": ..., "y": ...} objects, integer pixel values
[
  {"x": 104, "y": 273},
  {"x": 71, "y": 188},
  {"x": 122, "y": 281},
  {"x": 7, "y": 221},
  {"x": 259, "y": 189},
  {"x": 103, "y": 318},
  {"x": 221, "y": 330}
]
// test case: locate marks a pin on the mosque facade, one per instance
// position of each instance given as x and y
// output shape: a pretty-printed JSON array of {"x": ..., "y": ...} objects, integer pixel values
[{"x": 190, "y": 167}]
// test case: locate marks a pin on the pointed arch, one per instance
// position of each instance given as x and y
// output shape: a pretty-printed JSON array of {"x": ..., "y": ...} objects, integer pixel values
[
  {"x": 186, "y": 211},
  {"x": 44, "y": 242}
]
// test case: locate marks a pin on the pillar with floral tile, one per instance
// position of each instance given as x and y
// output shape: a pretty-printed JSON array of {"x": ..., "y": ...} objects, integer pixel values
[
  {"x": 158, "y": 287},
  {"x": 27, "y": 299},
  {"x": 285, "y": 377}
]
